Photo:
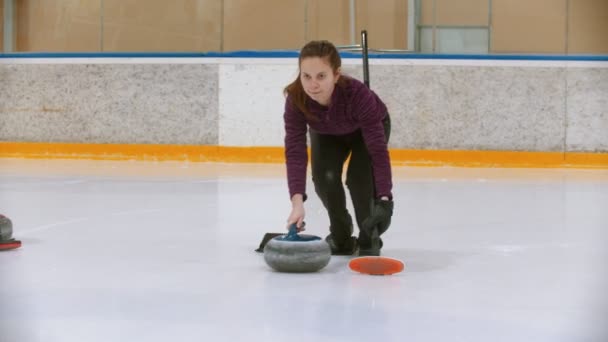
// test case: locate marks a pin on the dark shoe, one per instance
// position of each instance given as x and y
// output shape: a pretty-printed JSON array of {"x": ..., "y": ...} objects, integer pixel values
[
  {"x": 349, "y": 247},
  {"x": 371, "y": 246}
]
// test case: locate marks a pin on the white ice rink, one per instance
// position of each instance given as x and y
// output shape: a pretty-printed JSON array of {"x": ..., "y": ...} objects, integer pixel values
[{"x": 164, "y": 251}]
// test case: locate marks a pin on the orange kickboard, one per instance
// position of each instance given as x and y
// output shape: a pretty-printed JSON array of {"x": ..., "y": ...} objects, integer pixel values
[{"x": 376, "y": 265}]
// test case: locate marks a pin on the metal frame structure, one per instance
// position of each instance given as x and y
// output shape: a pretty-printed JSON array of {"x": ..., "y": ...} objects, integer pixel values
[{"x": 9, "y": 26}]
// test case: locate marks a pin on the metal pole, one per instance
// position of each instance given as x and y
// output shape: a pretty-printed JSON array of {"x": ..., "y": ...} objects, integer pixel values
[
  {"x": 365, "y": 58},
  {"x": 434, "y": 25},
  {"x": 566, "y": 47},
  {"x": 222, "y": 9},
  {"x": 101, "y": 26},
  {"x": 411, "y": 24},
  {"x": 489, "y": 26},
  {"x": 9, "y": 26},
  {"x": 353, "y": 23},
  {"x": 305, "y": 21}
]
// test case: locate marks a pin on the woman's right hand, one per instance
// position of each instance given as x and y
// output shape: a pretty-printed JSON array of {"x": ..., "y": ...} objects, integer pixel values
[{"x": 297, "y": 213}]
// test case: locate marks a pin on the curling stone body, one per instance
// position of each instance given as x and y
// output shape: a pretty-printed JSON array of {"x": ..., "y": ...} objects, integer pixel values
[
  {"x": 6, "y": 229},
  {"x": 307, "y": 253},
  {"x": 7, "y": 241}
]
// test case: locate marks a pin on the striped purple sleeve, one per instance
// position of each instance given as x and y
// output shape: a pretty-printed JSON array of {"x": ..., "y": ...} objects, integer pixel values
[
  {"x": 371, "y": 113},
  {"x": 296, "y": 153}
]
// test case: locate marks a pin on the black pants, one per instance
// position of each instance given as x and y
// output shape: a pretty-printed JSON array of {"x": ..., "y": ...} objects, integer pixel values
[{"x": 329, "y": 153}]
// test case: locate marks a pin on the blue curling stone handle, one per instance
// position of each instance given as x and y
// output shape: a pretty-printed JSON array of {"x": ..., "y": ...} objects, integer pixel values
[{"x": 292, "y": 235}]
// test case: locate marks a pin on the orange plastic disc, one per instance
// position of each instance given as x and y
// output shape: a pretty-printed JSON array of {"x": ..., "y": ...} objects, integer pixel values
[{"x": 376, "y": 265}]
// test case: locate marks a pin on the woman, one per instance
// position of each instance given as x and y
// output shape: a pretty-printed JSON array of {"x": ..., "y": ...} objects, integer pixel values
[{"x": 344, "y": 118}]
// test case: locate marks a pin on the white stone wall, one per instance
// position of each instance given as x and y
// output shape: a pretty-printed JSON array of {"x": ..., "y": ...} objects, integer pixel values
[{"x": 434, "y": 104}]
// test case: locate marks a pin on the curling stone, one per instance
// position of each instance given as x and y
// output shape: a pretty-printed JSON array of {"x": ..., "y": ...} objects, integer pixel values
[
  {"x": 6, "y": 234},
  {"x": 297, "y": 252}
]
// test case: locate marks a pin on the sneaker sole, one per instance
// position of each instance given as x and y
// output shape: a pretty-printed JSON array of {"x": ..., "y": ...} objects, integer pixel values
[{"x": 376, "y": 265}]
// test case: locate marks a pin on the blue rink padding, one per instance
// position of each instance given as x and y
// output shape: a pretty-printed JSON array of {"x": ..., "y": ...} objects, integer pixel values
[{"x": 294, "y": 54}]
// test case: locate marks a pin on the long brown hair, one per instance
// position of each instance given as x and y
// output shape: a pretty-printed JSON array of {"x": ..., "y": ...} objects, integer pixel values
[{"x": 316, "y": 48}]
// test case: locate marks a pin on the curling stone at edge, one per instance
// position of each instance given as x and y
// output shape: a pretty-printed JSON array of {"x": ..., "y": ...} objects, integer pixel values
[
  {"x": 297, "y": 253},
  {"x": 7, "y": 241}
]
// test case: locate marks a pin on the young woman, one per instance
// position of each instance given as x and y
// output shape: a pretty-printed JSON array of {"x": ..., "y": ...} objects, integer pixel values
[{"x": 345, "y": 118}]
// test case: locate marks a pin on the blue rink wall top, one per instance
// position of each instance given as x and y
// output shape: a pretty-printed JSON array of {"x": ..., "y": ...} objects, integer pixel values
[{"x": 294, "y": 54}]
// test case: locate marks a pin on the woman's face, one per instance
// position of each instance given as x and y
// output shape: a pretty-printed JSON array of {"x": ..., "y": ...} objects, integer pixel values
[{"x": 318, "y": 79}]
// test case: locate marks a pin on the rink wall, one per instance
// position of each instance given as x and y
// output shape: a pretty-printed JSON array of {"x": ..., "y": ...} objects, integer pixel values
[{"x": 544, "y": 111}]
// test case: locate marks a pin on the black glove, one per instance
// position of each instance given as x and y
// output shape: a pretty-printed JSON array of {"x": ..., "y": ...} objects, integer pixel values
[{"x": 380, "y": 217}]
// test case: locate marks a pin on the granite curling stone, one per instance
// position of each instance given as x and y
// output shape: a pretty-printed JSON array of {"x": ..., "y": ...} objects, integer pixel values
[
  {"x": 297, "y": 253},
  {"x": 6, "y": 234}
]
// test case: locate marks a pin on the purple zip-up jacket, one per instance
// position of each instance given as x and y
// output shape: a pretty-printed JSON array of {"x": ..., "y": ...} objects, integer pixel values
[{"x": 352, "y": 108}]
